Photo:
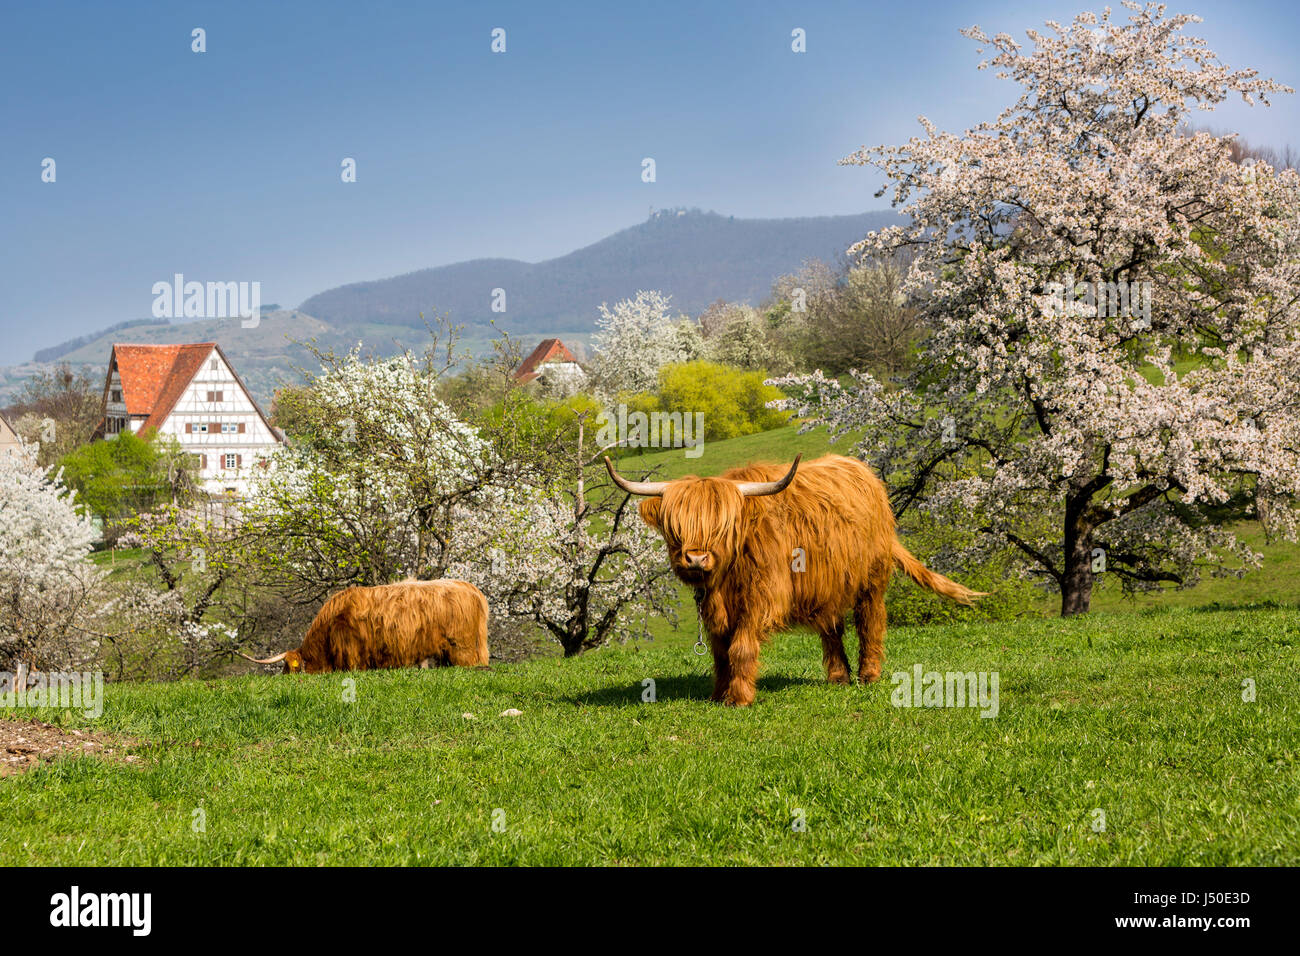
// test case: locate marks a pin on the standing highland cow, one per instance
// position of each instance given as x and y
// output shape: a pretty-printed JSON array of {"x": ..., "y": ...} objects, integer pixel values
[
  {"x": 765, "y": 551},
  {"x": 394, "y": 625}
]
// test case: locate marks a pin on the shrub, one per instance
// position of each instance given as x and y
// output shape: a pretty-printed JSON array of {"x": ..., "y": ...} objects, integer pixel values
[
  {"x": 733, "y": 401},
  {"x": 129, "y": 474}
]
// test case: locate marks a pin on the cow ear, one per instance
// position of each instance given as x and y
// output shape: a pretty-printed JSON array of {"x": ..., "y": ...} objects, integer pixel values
[{"x": 649, "y": 508}]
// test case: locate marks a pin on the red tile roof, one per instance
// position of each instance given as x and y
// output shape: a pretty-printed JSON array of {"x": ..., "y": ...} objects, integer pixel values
[
  {"x": 154, "y": 377},
  {"x": 549, "y": 350}
]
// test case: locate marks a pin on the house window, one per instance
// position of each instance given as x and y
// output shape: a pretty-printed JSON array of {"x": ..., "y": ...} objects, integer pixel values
[
  {"x": 116, "y": 395},
  {"x": 213, "y": 365},
  {"x": 200, "y": 428},
  {"x": 231, "y": 461},
  {"x": 230, "y": 428},
  {"x": 214, "y": 396}
]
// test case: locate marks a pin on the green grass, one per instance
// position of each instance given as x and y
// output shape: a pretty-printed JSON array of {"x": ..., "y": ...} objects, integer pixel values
[
  {"x": 118, "y": 561},
  {"x": 1135, "y": 712},
  {"x": 775, "y": 445},
  {"x": 1139, "y": 715},
  {"x": 1275, "y": 581}
]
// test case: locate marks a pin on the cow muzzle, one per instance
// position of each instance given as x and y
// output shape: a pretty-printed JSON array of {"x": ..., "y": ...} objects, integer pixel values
[{"x": 696, "y": 565}]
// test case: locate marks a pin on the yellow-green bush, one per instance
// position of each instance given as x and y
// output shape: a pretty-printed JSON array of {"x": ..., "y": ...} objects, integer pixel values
[{"x": 733, "y": 401}]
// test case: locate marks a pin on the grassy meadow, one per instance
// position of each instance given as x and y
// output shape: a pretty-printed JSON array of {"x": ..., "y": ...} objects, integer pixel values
[
  {"x": 1140, "y": 716},
  {"x": 1120, "y": 738}
]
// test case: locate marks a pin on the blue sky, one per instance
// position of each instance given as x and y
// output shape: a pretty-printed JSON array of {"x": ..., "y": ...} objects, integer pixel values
[{"x": 225, "y": 165}]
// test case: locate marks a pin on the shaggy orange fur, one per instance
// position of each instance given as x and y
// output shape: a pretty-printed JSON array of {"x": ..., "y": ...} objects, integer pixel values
[
  {"x": 804, "y": 555},
  {"x": 396, "y": 625}
]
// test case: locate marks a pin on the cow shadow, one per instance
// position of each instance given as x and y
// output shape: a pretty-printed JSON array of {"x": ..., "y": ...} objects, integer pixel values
[{"x": 674, "y": 688}]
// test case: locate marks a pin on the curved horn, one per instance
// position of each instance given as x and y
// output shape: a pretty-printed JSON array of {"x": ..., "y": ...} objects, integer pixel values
[
  {"x": 756, "y": 488},
  {"x": 647, "y": 488},
  {"x": 270, "y": 660}
]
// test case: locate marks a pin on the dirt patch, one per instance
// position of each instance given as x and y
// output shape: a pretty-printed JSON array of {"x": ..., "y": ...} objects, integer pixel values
[{"x": 24, "y": 744}]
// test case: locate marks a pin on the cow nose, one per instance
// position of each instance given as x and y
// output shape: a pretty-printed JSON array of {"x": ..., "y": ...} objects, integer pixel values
[{"x": 697, "y": 560}]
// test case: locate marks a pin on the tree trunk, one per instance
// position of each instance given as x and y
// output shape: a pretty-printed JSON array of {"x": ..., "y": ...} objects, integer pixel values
[
  {"x": 1077, "y": 579},
  {"x": 580, "y": 499},
  {"x": 1076, "y": 593}
]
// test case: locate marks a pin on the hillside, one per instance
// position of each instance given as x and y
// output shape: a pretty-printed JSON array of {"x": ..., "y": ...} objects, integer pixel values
[
  {"x": 265, "y": 357},
  {"x": 694, "y": 256}
]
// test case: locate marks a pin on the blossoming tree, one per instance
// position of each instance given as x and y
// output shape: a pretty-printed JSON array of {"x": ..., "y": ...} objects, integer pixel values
[
  {"x": 385, "y": 480},
  {"x": 376, "y": 484},
  {"x": 587, "y": 569},
  {"x": 636, "y": 338},
  {"x": 1113, "y": 368},
  {"x": 46, "y": 581}
]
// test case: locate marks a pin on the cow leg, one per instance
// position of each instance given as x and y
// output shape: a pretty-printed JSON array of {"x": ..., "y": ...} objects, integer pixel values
[
  {"x": 834, "y": 659},
  {"x": 721, "y": 666},
  {"x": 743, "y": 657},
  {"x": 869, "y": 618}
]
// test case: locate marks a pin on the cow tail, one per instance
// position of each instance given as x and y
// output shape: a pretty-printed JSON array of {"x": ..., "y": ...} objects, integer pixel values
[{"x": 937, "y": 583}]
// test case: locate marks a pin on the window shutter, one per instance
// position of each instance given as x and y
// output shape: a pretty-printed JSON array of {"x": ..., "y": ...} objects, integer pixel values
[
  {"x": 239, "y": 461},
  {"x": 189, "y": 428},
  {"x": 205, "y": 462},
  {"x": 214, "y": 427},
  {"x": 241, "y": 428}
]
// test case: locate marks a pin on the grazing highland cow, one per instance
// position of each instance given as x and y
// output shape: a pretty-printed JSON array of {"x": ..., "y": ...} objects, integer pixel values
[
  {"x": 765, "y": 550},
  {"x": 394, "y": 625}
]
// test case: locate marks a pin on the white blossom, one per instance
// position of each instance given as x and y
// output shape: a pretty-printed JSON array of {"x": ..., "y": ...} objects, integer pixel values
[
  {"x": 1061, "y": 430},
  {"x": 46, "y": 579},
  {"x": 638, "y": 337}
]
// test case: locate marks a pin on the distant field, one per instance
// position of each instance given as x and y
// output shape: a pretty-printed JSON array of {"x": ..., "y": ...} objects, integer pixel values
[
  {"x": 1139, "y": 716},
  {"x": 776, "y": 445}
]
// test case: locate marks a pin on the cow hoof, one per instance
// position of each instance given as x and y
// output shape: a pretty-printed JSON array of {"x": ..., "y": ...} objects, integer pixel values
[
  {"x": 839, "y": 679},
  {"x": 870, "y": 677}
]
